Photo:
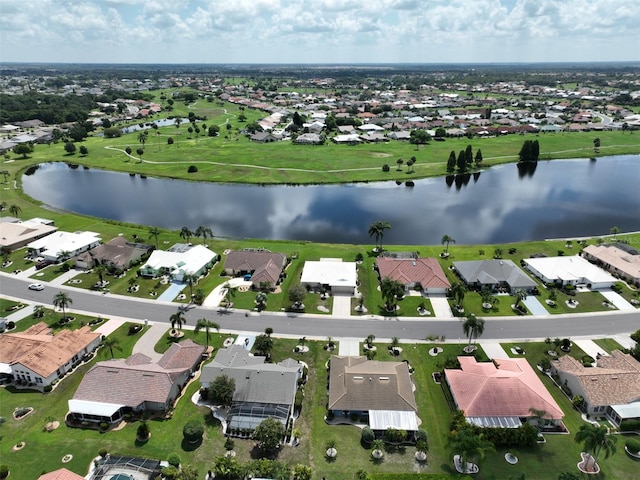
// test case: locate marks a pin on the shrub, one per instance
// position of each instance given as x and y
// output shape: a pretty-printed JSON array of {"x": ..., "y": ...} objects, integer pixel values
[
  {"x": 192, "y": 169},
  {"x": 298, "y": 400},
  {"x": 10, "y": 325},
  {"x": 193, "y": 431},
  {"x": 229, "y": 444},
  {"x": 421, "y": 434},
  {"x": 630, "y": 426},
  {"x": 4, "y": 471},
  {"x": 174, "y": 460},
  {"x": 143, "y": 430},
  {"x": 367, "y": 436},
  {"x": 385, "y": 168},
  {"x": 48, "y": 388},
  {"x": 632, "y": 445},
  {"x": 104, "y": 425},
  {"x": 170, "y": 140},
  {"x": 103, "y": 452}
]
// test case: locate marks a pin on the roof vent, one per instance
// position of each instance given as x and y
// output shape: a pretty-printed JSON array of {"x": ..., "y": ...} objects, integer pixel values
[
  {"x": 358, "y": 378},
  {"x": 383, "y": 378}
]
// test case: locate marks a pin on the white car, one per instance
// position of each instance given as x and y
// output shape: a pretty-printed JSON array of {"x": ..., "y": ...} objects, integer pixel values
[{"x": 36, "y": 286}]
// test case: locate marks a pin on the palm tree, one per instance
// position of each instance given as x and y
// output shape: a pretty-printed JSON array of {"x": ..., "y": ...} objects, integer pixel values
[
  {"x": 377, "y": 229},
  {"x": 538, "y": 415},
  {"x": 261, "y": 300},
  {"x": 614, "y": 230},
  {"x": 177, "y": 122},
  {"x": 177, "y": 319},
  {"x": 142, "y": 137},
  {"x": 111, "y": 343},
  {"x": 62, "y": 300},
  {"x": 596, "y": 438},
  {"x": 447, "y": 239},
  {"x": 207, "y": 325},
  {"x": 100, "y": 270},
  {"x": 268, "y": 331},
  {"x": 190, "y": 279},
  {"x": 204, "y": 232},
  {"x": 470, "y": 446},
  {"x": 497, "y": 253},
  {"x": 131, "y": 282},
  {"x": 520, "y": 296},
  {"x": 5, "y": 174},
  {"x": 5, "y": 253},
  {"x": 390, "y": 290},
  {"x": 15, "y": 210},
  {"x": 63, "y": 255},
  {"x": 186, "y": 234},
  {"x": 473, "y": 327},
  {"x": 229, "y": 294},
  {"x": 38, "y": 311},
  {"x": 458, "y": 291},
  {"x": 155, "y": 233}
]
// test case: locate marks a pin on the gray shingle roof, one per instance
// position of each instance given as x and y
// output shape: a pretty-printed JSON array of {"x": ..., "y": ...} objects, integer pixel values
[{"x": 493, "y": 272}]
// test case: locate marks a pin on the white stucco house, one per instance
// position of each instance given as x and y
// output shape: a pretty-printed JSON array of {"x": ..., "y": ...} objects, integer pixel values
[
  {"x": 573, "y": 270},
  {"x": 180, "y": 260},
  {"x": 74, "y": 243},
  {"x": 331, "y": 273}
]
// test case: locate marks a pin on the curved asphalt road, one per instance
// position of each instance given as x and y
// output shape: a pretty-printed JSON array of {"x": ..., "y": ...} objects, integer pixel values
[{"x": 322, "y": 326}]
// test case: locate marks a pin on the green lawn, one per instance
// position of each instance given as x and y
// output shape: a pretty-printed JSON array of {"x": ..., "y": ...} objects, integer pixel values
[{"x": 560, "y": 453}]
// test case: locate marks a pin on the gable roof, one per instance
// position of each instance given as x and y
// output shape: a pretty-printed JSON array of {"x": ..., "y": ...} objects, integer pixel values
[
  {"x": 41, "y": 352},
  {"x": 615, "y": 380},
  {"x": 356, "y": 383},
  {"x": 425, "y": 271},
  {"x": 255, "y": 381},
  {"x": 509, "y": 390},
  {"x": 135, "y": 380},
  {"x": 493, "y": 272}
]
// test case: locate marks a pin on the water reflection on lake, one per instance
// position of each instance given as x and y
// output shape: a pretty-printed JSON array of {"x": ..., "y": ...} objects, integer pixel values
[{"x": 563, "y": 198}]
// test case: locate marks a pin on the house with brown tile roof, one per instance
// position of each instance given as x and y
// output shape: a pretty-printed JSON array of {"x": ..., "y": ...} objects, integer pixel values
[
  {"x": 263, "y": 265},
  {"x": 381, "y": 392},
  {"x": 610, "y": 389},
  {"x": 16, "y": 234},
  {"x": 425, "y": 273},
  {"x": 615, "y": 260},
  {"x": 117, "y": 252},
  {"x": 37, "y": 358},
  {"x": 112, "y": 388},
  {"x": 500, "y": 394}
]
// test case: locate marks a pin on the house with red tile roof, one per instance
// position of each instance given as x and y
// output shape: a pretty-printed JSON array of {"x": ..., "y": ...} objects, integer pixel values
[
  {"x": 61, "y": 474},
  {"x": 36, "y": 357},
  {"x": 112, "y": 388},
  {"x": 500, "y": 394},
  {"x": 414, "y": 272}
]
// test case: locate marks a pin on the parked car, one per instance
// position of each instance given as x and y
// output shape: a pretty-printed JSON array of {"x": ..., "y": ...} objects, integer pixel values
[{"x": 36, "y": 286}]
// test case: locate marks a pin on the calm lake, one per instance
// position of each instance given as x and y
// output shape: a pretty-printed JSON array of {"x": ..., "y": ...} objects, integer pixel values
[{"x": 561, "y": 198}]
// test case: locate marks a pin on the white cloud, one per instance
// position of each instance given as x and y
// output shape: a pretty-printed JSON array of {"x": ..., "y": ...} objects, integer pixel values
[{"x": 319, "y": 30}]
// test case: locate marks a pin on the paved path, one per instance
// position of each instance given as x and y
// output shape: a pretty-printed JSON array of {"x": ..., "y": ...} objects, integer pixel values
[
  {"x": 148, "y": 341},
  {"x": 341, "y": 306},
  {"x": 65, "y": 277},
  {"x": 493, "y": 349},
  {"x": 348, "y": 347},
  {"x": 20, "y": 314},
  {"x": 534, "y": 306},
  {"x": 590, "y": 347},
  {"x": 440, "y": 305},
  {"x": 617, "y": 299},
  {"x": 111, "y": 325}
]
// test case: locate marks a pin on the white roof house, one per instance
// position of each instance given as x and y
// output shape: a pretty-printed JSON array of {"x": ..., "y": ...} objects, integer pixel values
[
  {"x": 52, "y": 245},
  {"x": 179, "y": 260},
  {"x": 338, "y": 276},
  {"x": 573, "y": 270}
]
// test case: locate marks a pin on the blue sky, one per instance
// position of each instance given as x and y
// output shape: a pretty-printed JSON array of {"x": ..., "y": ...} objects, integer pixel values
[{"x": 319, "y": 31}]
